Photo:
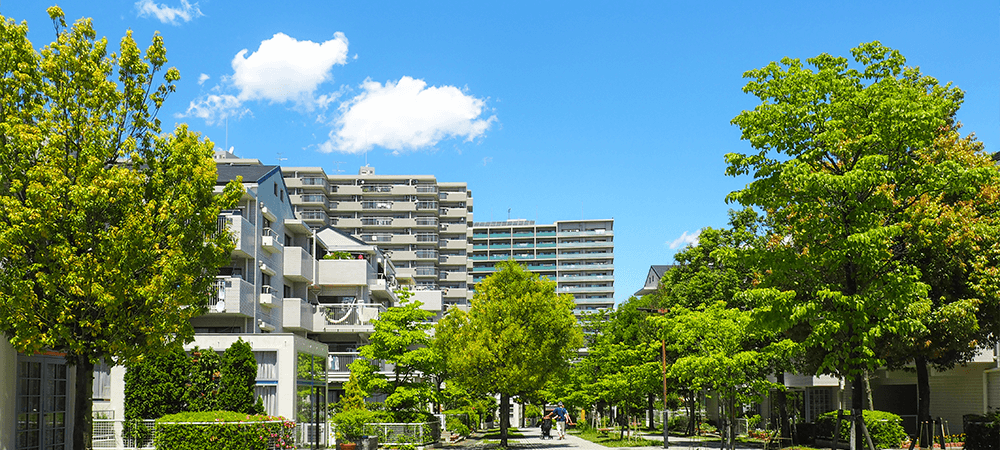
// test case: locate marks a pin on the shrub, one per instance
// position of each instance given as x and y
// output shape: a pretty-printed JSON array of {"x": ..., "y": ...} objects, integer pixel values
[
  {"x": 532, "y": 411},
  {"x": 352, "y": 423},
  {"x": 885, "y": 428},
  {"x": 239, "y": 374},
  {"x": 454, "y": 424},
  {"x": 981, "y": 432},
  {"x": 223, "y": 430}
]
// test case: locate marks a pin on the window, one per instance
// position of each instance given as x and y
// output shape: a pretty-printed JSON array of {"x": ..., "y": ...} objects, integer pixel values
[
  {"x": 41, "y": 403},
  {"x": 287, "y": 292},
  {"x": 267, "y": 380},
  {"x": 288, "y": 241},
  {"x": 102, "y": 381},
  {"x": 265, "y": 279}
]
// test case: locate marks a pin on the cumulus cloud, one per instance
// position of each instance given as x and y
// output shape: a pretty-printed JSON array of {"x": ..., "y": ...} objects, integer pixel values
[
  {"x": 166, "y": 14},
  {"x": 406, "y": 115},
  {"x": 685, "y": 240},
  {"x": 284, "y": 69},
  {"x": 203, "y": 78}
]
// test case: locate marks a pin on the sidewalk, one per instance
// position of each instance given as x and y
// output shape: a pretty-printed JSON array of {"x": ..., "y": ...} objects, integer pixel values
[{"x": 532, "y": 440}]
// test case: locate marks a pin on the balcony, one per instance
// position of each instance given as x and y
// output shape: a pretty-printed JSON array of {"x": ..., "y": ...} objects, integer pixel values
[
  {"x": 345, "y": 272},
  {"x": 232, "y": 296},
  {"x": 453, "y": 293},
  {"x": 297, "y": 315},
  {"x": 452, "y": 244},
  {"x": 452, "y": 260},
  {"x": 268, "y": 299},
  {"x": 585, "y": 233},
  {"x": 348, "y": 318},
  {"x": 586, "y": 244},
  {"x": 377, "y": 189},
  {"x": 581, "y": 278},
  {"x": 339, "y": 364},
  {"x": 599, "y": 266},
  {"x": 452, "y": 276},
  {"x": 586, "y": 255},
  {"x": 453, "y": 212},
  {"x": 298, "y": 264},
  {"x": 242, "y": 232},
  {"x": 270, "y": 240},
  {"x": 587, "y": 289}
]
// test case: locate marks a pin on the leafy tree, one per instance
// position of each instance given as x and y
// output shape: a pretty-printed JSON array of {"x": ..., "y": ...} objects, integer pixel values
[
  {"x": 401, "y": 339},
  {"x": 835, "y": 169},
  {"x": 517, "y": 334},
  {"x": 154, "y": 388},
  {"x": 952, "y": 237},
  {"x": 719, "y": 350},
  {"x": 239, "y": 375},
  {"x": 204, "y": 381},
  {"x": 103, "y": 219}
]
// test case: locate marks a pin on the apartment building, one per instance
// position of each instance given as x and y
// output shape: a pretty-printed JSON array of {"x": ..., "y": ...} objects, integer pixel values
[
  {"x": 420, "y": 222},
  {"x": 577, "y": 254}
]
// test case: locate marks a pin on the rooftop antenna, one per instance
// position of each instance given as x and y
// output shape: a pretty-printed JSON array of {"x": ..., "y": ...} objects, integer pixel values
[
  {"x": 338, "y": 163},
  {"x": 508, "y": 214},
  {"x": 280, "y": 159}
]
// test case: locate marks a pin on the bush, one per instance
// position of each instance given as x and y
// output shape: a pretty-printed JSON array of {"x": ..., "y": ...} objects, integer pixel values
[
  {"x": 531, "y": 411},
  {"x": 981, "y": 432},
  {"x": 885, "y": 428},
  {"x": 224, "y": 430},
  {"x": 352, "y": 424},
  {"x": 454, "y": 424}
]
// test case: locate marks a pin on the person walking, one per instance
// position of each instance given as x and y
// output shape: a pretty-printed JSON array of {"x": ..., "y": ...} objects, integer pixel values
[{"x": 562, "y": 419}]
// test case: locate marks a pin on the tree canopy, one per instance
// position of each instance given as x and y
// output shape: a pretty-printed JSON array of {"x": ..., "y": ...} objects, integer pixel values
[
  {"x": 836, "y": 166},
  {"x": 517, "y": 335},
  {"x": 103, "y": 219}
]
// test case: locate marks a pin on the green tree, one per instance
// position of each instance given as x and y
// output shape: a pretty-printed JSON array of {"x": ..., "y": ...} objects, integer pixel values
[
  {"x": 719, "y": 350},
  {"x": 517, "y": 334},
  {"x": 239, "y": 375},
  {"x": 834, "y": 171},
  {"x": 154, "y": 388},
  {"x": 103, "y": 219},
  {"x": 952, "y": 237},
  {"x": 204, "y": 381},
  {"x": 401, "y": 338}
]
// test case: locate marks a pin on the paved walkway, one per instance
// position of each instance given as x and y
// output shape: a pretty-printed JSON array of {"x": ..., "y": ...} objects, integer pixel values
[{"x": 532, "y": 440}]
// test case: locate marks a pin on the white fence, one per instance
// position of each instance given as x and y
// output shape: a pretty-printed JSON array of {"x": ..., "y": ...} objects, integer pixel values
[{"x": 110, "y": 434}]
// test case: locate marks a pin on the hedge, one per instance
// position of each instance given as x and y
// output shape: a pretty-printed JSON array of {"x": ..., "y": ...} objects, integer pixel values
[
  {"x": 885, "y": 428},
  {"x": 223, "y": 430},
  {"x": 981, "y": 432}
]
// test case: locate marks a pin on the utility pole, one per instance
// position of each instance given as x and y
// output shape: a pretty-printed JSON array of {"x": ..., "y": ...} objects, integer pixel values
[{"x": 663, "y": 352}]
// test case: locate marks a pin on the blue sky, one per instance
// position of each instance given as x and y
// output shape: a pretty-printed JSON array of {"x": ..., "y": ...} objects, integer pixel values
[{"x": 555, "y": 110}]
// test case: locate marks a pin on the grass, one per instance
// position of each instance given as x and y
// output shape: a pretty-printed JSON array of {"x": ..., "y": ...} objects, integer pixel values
[
  {"x": 512, "y": 433},
  {"x": 611, "y": 440}
]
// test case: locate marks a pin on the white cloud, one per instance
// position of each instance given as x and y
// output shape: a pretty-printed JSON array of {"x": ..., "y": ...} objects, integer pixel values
[
  {"x": 685, "y": 240},
  {"x": 215, "y": 108},
  {"x": 285, "y": 69},
  {"x": 166, "y": 14},
  {"x": 406, "y": 115},
  {"x": 203, "y": 78},
  {"x": 487, "y": 160}
]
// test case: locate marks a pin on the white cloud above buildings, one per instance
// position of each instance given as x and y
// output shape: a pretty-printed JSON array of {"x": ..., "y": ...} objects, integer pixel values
[
  {"x": 402, "y": 116},
  {"x": 405, "y": 116},
  {"x": 166, "y": 14},
  {"x": 685, "y": 240},
  {"x": 281, "y": 70}
]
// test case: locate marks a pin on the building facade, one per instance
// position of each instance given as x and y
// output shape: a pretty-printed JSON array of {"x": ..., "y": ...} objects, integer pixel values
[
  {"x": 577, "y": 254},
  {"x": 423, "y": 224}
]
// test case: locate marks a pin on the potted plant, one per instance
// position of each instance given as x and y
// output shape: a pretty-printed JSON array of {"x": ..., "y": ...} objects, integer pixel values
[{"x": 351, "y": 426}]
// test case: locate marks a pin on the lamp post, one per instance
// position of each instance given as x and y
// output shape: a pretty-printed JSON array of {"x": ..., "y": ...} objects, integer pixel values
[{"x": 663, "y": 352}]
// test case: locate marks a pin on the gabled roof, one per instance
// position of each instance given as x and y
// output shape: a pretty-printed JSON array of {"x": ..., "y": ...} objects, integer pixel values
[
  {"x": 251, "y": 173},
  {"x": 333, "y": 238},
  {"x": 653, "y": 279}
]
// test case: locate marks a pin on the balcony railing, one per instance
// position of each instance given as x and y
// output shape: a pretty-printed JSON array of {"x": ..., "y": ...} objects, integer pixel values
[
  {"x": 351, "y": 314},
  {"x": 376, "y": 188},
  {"x": 376, "y": 205},
  {"x": 376, "y": 221},
  {"x": 427, "y": 205},
  {"x": 421, "y": 188},
  {"x": 376, "y": 237},
  {"x": 427, "y": 237},
  {"x": 427, "y": 221},
  {"x": 340, "y": 362},
  {"x": 426, "y": 253},
  {"x": 313, "y": 181}
]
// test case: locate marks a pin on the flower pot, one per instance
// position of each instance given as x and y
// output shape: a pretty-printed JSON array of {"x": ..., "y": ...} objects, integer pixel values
[{"x": 348, "y": 446}]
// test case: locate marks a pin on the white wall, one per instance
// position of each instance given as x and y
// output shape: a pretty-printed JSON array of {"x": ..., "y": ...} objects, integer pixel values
[{"x": 8, "y": 395}]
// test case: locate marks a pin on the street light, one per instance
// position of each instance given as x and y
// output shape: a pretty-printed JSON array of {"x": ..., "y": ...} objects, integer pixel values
[{"x": 663, "y": 352}]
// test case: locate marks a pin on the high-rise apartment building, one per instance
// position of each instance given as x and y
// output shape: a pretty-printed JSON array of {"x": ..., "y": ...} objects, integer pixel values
[
  {"x": 577, "y": 254},
  {"x": 422, "y": 223}
]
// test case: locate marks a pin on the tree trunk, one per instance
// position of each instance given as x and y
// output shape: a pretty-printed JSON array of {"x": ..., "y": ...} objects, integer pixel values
[
  {"x": 782, "y": 399},
  {"x": 857, "y": 405},
  {"x": 868, "y": 390},
  {"x": 83, "y": 402},
  {"x": 923, "y": 400},
  {"x": 504, "y": 418},
  {"x": 692, "y": 401},
  {"x": 649, "y": 407}
]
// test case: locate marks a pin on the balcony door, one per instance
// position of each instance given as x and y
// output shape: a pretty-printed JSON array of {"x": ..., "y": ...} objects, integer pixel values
[{"x": 42, "y": 399}]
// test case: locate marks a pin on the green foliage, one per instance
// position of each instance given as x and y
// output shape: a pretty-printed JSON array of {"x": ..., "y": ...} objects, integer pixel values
[
  {"x": 108, "y": 236},
  {"x": 401, "y": 339},
  {"x": 456, "y": 424},
  {"x": 337, "y": 255},
  {"x": 836, "y": 163},
  {"x": 885, "y": 428},
  {"x": 239, "y": 375},
  {"x": 516, "y": 336},
  {"x": 531, "y": 411},
  {"x": 223, "y": 430},
  {"x": 352, "y": 424},
  {"x": 156, "y": 387},
  {"x": 204, "y": 381},
  {"x": 982, "y": 432}
]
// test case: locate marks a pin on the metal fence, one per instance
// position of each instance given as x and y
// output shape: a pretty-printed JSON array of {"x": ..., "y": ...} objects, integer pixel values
[
  {"x": 389, "y": 434},
  {"x": 111, "y": 434}
]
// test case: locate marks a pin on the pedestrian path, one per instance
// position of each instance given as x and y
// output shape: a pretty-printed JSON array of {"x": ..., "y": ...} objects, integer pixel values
[{"x": 532, "y": 440}]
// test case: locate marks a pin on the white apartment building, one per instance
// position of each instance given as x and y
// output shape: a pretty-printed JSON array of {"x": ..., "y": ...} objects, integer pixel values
[
  {"x": 577, "y": 254},
  {"x": 420, "y": 222}
]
